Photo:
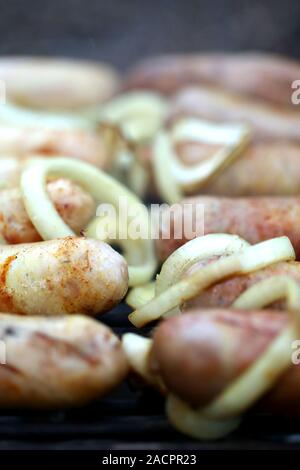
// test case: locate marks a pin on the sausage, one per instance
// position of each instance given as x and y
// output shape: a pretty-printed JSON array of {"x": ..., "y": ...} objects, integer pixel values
[
  {"x": 263, "y": 76},
  {"x": 62, "y": 276},
  {"x": 22, "y": 142},
  {"x": 255, "y": 219},
  {"x": 252, "y": 174},
  {"x": 267, "y": 122},
  {"x": 57, "y": 362},
  {"x": 57, "y": 84},
  {"x": 224, "y": 293},
  {"x": 74, "y": 205},
  {"x": 200, "y": 353}
]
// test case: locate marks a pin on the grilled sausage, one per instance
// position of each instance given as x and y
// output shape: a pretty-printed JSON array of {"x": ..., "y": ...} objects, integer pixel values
[
  {"x": 23, "y": 142},
  {"x": 252, "y": 174},
  {"x": 62, "y": 276},
  {"x": 255, "y": 219},
  {"x": 57, "y": 84},
  {"x": 200, "y": 353},
  {"x": 267, "y": 122},
  {"x": 224, "y": 293},
  {"x": 267, "y": 77},
  {"x": 57, "y": 362},
  {"x": 73, "y": 204}
]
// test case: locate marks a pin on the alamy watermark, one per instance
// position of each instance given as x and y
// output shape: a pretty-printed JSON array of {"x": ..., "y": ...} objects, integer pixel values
[
  {"x": 295, "y": 97},
  {"x": 159, "y": 221}
]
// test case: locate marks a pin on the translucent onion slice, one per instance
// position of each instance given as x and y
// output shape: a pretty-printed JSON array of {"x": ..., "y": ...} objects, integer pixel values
[
  {"x": 252, "y": 258},
  {"x": 102, "y": 187},
  {"x": 137, "y": 350},
  {"x": 260, "y": 377},
  {"x": 190, "y": 422},
  {"x": 221, "y": 417},
  {"x": 172, "y": 177},
  {"x": 139, "y": 296},
  {"x": 200, "y": 248},
  {"x": 140, "y": 114},
  {"x": 14, "y": 115},
  {"x": 181, "y": 261}
]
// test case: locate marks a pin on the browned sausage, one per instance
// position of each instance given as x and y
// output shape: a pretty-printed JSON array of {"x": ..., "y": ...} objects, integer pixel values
[
  {"x": 57, "y": 84},
  {"x": 262, "y": 76},
  {"x": 57, "y": 362},
  {"x": 224, "y": 293},
  {"x": 267, "y": 122},
  {"x": 200, "y": 353},
  {"x": 255, "y": 219},
  {"x": 22, "y": 142},
  {"x": 61, "y": 276},
  {"x": 254, "y": 172},
  {"x": 73, "y": 204}
]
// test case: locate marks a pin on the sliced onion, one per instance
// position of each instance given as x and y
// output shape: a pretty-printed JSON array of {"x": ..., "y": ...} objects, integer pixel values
[
  {"x": 140, "y": 114},
  {"x": 221, "y": 417},
  {"x": 102, "y": 187},
  {"x": 268, "y": 291},
  {"x": 252, "y": 258},
  {"x": 18, "y": 116},
  {"x": 172, "y": 177},
  {"x": 139, "y": 296},
  {"x": 200, "y": 248},
  {"x": 191, "y": 422},
  {"x": 137, "y": 350},
  {"x": 260, "y": 377}
]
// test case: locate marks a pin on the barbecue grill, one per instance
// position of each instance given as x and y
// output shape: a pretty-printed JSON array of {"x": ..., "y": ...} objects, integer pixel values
[{"x": 121, "y": 32}]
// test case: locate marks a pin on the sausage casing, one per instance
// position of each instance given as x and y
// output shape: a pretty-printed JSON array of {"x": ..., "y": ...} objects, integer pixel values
[
  {"x": 62, "y": 276},
  {"x": 57, "y": 84},
  {"x": 255, "y": 219},
  {"x": 263, "y": 76},
  {"x": 200, "y": 353},
  {"x": 74, "y": 205},
  {"x": 57, "y": 362}
]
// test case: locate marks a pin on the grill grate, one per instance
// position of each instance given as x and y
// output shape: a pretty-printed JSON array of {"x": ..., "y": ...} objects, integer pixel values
[{"x": 130, "y": 419}]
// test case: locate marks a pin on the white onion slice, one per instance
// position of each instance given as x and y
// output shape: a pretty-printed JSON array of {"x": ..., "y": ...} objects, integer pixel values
[
  {"x": 190, "y": 422},
  {"x": 24, "y": 117},
  {"x": 139, "y": 296},
  {"x": 216, "y": 419},
  {"x": 139, "y": 114},
  {"x": 102, "y": 187},
  {"x": 200, "y": 248},
  {"x": 252, "y": 258},
  {"x": 172, "y": 177}
]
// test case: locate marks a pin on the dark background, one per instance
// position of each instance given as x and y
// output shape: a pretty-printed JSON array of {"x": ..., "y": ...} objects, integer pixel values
[{"x": 122, "y": 31}]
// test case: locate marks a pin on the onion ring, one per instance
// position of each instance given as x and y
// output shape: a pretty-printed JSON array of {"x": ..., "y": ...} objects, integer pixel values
[
  {"x": 181, "y": 260},
  {"x": 102, "y": 187},
  {"x": 257, "y": 379},
  {"x": 172, "y": 177},
  {"x": 18, "y": 116},
  {"x": 251, "y": 259}
]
